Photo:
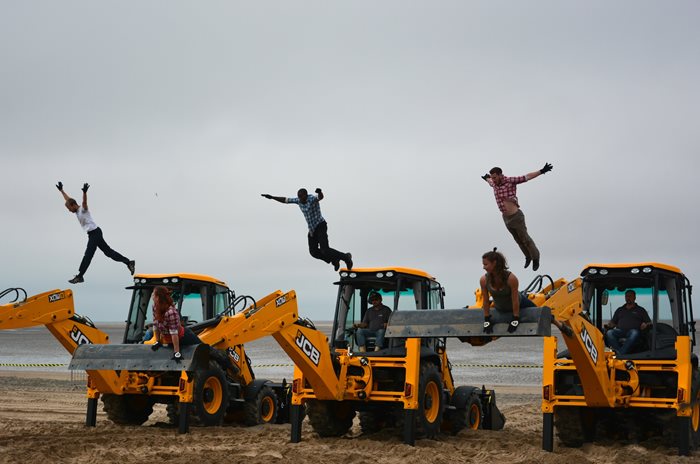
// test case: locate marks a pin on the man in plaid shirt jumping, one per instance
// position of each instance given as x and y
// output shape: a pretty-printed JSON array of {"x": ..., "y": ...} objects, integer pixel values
[
  {"x": 318, "y": 229},
  {"x": 504, "y": 189}
]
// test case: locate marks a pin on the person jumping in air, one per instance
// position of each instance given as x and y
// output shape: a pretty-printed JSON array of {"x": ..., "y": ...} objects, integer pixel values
[
  {"x": 504, "y": 189},
  {"x": 95, "y": 239},
  {"x": 318, "y": 229}
]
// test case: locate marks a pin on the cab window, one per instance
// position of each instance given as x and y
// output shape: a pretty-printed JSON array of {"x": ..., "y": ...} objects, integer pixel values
[
  {"x": 221, "y": 300},
  {"x": 193, "y": 303}
]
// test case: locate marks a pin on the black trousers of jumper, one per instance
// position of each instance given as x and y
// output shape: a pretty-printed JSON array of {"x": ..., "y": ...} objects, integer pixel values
[
  {"x": 95, "y": 241},
  {"x": 319, "y": 248}
]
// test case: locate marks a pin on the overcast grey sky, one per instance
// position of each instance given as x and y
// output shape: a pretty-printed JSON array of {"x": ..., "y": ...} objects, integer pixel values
[{"x": 180, "y": 114}]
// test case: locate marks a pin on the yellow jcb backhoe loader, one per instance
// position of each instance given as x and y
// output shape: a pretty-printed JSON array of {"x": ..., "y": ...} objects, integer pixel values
[
  {"x": 591, "y": 392},
  {"x": 407, "y": 381},
  {"x": 215, "y": 378}
]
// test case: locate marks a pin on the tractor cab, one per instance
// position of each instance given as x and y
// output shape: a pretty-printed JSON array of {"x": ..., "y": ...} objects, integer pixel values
[
  {"x": 197, "y": 298},
  {"x": 662, "y": 290},
  {"x": 399, "y": 288}
]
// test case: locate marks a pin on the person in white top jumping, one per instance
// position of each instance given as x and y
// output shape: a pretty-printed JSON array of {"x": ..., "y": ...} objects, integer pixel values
[{"x": 95, "y": 239}]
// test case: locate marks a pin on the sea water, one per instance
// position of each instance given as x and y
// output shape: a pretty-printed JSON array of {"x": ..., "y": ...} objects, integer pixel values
[{"x": 506, "y": 361}]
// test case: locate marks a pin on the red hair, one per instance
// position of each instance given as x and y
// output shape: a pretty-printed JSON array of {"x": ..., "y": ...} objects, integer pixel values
[{"x": 165, "y": 301}]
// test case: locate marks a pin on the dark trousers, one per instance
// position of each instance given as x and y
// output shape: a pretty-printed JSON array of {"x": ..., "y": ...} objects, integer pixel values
[
  {"x": 318, "y": 245},
  {"x": 95, "y": 241},
  {"x": 189, "y": 338},
  {"x": 516, "y": 226}
]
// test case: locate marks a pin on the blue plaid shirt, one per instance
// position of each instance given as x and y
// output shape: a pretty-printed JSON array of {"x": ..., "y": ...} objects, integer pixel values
[{"x": 311, "y": 210}]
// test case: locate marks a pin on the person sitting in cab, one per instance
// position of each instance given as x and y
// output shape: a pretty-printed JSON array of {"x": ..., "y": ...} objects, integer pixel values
[
  {"x": 374, "y": 323},
  {"x": 627, "y": 323}
]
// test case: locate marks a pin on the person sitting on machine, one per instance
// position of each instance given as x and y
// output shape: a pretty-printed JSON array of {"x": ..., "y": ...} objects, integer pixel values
[
  {"x": 501, "y": 285},
  {"x": 374, "y": 323},
  {"x": 628, "y": 322}
]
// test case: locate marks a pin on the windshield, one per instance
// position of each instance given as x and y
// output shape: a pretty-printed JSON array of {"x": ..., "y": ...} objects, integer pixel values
[
  {"x": 602, "y": 297},
  {"x": 140, "y": 315},
  {"x": 353, "y": 301},
  {"x": 196, "y": 301}
]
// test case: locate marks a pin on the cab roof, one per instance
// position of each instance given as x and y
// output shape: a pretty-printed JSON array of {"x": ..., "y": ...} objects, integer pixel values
[
  {"x": 181, "y": 275},
  {"x": 653, "y": 265},
  {"x": 401, "y": 270}
]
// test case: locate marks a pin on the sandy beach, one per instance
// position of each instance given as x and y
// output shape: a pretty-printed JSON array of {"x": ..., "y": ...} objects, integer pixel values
[{"x": 42, "y": 416}]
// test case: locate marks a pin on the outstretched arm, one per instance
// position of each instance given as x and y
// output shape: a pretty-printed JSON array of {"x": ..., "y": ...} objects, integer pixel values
[
  {"x": 59, "y": 186},
  {"x": 487, "y": 178},
  {"x": 547, "y": 167},
  {"x": 85, "y": 188},
  {"x": 270, "y": 197}
]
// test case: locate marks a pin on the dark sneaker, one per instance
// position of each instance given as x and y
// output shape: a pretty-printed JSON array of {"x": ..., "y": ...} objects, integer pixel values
[
  {"x": 77, "y": 279},
  {"x": 132, "y": 266},
  {"x": 348, "y": 261},
  {"x": 336, "y": 265},
  {"x": 535, "y": 264},
  {"x": 527, "y": 262}
]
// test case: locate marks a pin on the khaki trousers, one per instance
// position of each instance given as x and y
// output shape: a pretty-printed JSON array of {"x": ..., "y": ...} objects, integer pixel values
[{"x": 515, "y": 224}]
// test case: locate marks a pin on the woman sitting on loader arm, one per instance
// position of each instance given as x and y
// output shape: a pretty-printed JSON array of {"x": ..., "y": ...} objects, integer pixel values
[
  {"x": 167, "y": 327},
  {"x": 501, "y": 285}
]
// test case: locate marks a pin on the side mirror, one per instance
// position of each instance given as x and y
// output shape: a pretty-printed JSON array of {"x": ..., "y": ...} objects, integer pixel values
[{"x": 604, "y": 297}]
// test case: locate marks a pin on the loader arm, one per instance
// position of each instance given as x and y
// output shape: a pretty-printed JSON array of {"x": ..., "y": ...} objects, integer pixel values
[
  {"x": 277, "y": 315},
  {"x": 55, "y": 310},
  {"x": 586, "y": 346}
]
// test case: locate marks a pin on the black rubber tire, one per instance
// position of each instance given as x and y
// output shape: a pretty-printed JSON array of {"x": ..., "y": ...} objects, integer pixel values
[
  {"x": 330, "y": 418},
  {"x": 567, "y": 422},
  {"x": 695, "y": 418},
  {"x": 376, "y": 420},
  {"x": 429, "y": 418},
  {"x": 469, "y": 417},
  {"x": 430, "y": 389},
  {"x": 127, "y": 409},
  {"x": 206, "y": 410},
  {"x": 262, "y": 409}
]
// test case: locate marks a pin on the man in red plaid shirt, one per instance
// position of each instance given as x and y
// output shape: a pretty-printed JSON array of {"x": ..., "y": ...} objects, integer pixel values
[{"x": 504, "y": 189}]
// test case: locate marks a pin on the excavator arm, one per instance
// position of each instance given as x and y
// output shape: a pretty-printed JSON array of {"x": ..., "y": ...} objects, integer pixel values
[
  {"x": 586, "y": 346},
  {"x": 275, "y": 315},
  {"x": 55, "y": 310}
]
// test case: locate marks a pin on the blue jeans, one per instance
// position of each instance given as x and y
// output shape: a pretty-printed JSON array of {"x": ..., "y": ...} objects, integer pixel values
[
  {"x": 614, "y": 335},
  {"x": 362, "y": 335}
]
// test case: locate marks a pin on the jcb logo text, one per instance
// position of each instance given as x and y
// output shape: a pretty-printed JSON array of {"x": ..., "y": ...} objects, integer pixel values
[
  {"x": 236, "y": 357},
  {"x": 309, "y": 350},
  {"x": 56, "y": 296},
  {"x": 78, "y": 336},
  {"x": 590, "y": 346}
]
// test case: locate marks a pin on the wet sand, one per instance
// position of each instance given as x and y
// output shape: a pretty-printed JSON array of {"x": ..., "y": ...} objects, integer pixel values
[{"x": 42, "y": 416}]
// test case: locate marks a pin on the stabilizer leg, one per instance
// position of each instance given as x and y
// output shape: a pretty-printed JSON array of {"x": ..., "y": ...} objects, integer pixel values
[
  {"x": 295, "y": 418},
  {"x": 184, "y": 423},
  {"x": 683, "y": 436},
  {"x": 409, "y": 427},
  {"x": 91, "y": 415},
  {"x": 548, "y": 431}
]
